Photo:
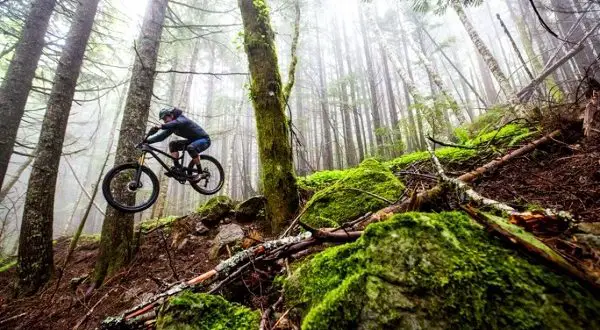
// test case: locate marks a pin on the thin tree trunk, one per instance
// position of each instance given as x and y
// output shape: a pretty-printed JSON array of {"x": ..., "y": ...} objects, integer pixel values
[
  {"x": 327, "y": 142},
  {"x": 279, "y": 183},
  {"x": 6, "y": 189},
  {"x": 486, "y": 55},
  {"x": 345, "y": 107},
  {"x": 117, "y": 230},
  {"x": 19, "y": 76},
  {"x": 35, "y": 257},
  {"x": 353, "y": 99},
  {"x": 372, "y": 83}
]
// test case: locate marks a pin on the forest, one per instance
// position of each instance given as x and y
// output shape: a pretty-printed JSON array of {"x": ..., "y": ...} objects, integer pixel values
[{"x": 299, "y": 164}]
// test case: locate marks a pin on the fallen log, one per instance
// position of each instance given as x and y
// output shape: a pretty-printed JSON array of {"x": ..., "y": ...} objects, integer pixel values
[
  {"x": 515, "y": 235},
  {"x": 470, "y": 176},
  {"x": 531, "y": 245}
]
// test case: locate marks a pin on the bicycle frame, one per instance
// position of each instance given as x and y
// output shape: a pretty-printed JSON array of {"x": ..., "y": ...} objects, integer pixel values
[{"x": 146, "y": 148}]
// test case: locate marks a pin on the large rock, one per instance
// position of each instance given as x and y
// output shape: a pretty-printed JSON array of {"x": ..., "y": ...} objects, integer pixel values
[
  {"x": 352, "y": 195},
  {"x": 251, "y": 209},
  {"x": 435, "y": 271},
  {"x": 215, "y": 210},
  {"x": 228, "y": 234},
  {"x": 201, "y": 311}
]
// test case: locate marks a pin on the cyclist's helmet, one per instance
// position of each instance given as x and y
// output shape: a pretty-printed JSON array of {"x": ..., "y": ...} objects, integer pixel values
[{"x": 164, "y": 112}]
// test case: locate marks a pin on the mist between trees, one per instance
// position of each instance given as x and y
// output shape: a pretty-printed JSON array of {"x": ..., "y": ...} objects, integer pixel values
[{"x": 373, "y": 79}]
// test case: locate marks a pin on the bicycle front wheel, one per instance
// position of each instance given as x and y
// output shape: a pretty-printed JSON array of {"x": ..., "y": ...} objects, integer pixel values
[
  {"x": 126, "y": 193},
  {"x": 212, "y": 175}
]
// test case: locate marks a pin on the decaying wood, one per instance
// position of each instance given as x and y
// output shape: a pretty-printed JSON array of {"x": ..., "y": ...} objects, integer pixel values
[
  {"x": 468, "y": 177},
  {"x": 530, "y": 244},
  {"x": 229, "y": 269},
  {"x": 534, "y": 247},
  {"x": 525, "y": 93}
]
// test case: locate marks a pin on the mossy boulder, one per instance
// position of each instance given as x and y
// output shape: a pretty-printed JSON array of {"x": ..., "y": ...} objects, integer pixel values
[
  {"x": 201, "y": 311},
  {"x": 215, "y": 209},
  {"x": 435, "y": 271},
  {"x": 151, "y": 224},
  {"x": 350, "y": 196},
  {"x": 251, "y": 209}
]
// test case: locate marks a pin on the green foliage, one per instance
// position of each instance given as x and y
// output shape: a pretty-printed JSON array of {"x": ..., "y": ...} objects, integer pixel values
[
  {"x": 431, "y": 271},
  {"x": 439, "y": 6},
  {"x": 346, "y": 198},
  {"x": 201, "y": 311}
]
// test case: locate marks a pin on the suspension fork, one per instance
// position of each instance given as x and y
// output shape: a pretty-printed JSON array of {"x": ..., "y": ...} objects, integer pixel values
[{"x": 138, "y": 173}]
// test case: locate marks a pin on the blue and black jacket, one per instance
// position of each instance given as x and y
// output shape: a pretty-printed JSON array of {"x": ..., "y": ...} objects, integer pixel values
[{"x": 181, "y": 126}]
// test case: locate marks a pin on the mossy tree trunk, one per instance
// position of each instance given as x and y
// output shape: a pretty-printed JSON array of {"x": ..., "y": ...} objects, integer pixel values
[
  {"x": 279, "y": 183},
  {"x": 117, "y": 230},
  {"x": 18, "y": 79},
  {"x": 35, "y": 240}
]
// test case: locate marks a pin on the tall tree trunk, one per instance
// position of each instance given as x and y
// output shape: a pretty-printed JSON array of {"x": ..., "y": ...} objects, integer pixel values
[
  {"x": 35, "y": 240},
  {"x": 345, "y": 106},
  {"x": 485, "y": 53},
  {"x": 279, "y": 183},
  {"x": 19, "y": 76},
  {"x": 372, "y": 83},
  {"x": 117, "y": 230},
  {"x": 353, "y": 99},
  {"x": 396, "y": 133},
  {"x": 327, "y": 141}
]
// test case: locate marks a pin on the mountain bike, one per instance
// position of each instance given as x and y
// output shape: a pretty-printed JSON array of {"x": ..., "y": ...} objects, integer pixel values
[{"x": 133, "y": 187}]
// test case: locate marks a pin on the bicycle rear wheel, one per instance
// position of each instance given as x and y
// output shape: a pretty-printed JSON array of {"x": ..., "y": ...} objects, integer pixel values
[
  {"x": 124, "y": 193},
  {"x": 212, "y": 175}
]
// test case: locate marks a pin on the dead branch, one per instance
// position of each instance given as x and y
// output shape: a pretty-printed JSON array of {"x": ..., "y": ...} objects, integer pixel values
[
  {"x": 525, "y": 93},
  {"x": 468, "y": 177},
  {"x": 264, "y": 321},
  {"x": 90, "y": 311},
  {"x": 533, "y": 246},
  {"x": 229, "y": 269}
]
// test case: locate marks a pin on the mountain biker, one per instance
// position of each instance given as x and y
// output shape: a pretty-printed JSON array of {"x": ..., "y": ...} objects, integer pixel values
[{"x": 196, "y": 138}]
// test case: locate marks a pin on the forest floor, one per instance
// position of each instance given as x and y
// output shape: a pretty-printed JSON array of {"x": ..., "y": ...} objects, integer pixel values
[
  {"x": 563, "y": 175},
  {"x": 150, "y": 273}
]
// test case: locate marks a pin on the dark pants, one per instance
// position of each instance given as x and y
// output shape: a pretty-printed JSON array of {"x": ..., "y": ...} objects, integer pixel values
[{"x": 192, "y": 147}]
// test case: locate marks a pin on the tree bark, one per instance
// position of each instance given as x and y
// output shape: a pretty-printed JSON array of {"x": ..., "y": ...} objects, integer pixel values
[
  {"x": 353, "y": 98},
  {"x": 325, "y": 121},
  {"x": 345, "y": 107},
  {"x": 487, "y": 56},
  {"x": 372, "y": 83},
  {"x": 117, "y": 230},
  {"x": 35, "y": 258},
  {"x": 279, "y": 183},
  {"x": 19, "y": 76}
]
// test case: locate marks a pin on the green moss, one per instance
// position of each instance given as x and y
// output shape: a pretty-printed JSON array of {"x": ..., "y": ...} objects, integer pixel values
[
  {"x": 431, "y": 271},
  {"x": 215, "y": 209},
  {"x": 7, "y": 263},
  {"x": 89, "y": 238},
  {"x": 320, "y": 180},
  {"x": 199, "y": 311},
  {"x": 502, "y": 136},
  {"x": 505, "y": 137},
  {"x": 346, "y": 199},
  {"x": 151, "y": 224}
]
